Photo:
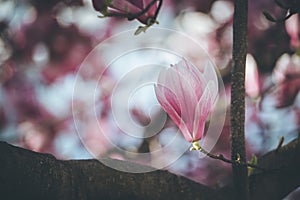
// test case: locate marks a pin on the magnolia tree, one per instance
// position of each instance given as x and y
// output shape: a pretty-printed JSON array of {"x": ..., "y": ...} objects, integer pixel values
[{"x": 149, "y": 99}]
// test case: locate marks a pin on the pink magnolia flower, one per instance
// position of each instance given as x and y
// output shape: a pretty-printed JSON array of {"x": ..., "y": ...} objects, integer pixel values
[
  {"x": 187, "y": 95},
  {"x": 292, "y": 27},
  {"x": 130, "y": 9},
  {"x": 252, "y": 83},
  {"x": 287, "y": 67},
  {"x": 286, "y": 75}
]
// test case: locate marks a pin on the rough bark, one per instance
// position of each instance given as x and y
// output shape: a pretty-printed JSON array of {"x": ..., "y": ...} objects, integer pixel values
[
  {"x": 277, "y": 183},
  {"x": 29, "y": 175},
  {"x": 237, "y": 112}
]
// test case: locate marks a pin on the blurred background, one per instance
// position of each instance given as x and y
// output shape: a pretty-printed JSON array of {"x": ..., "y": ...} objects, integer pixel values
[{"x": 44, "y": 43}]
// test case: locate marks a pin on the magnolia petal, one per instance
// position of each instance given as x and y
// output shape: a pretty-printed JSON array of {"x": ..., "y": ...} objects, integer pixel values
[
  {"x": 252, "y": 85},
  {"x": 192, "y": 82},
  {"x": 203, "y": 108},
  {"x": 137, "y": 3},
  {"x": 211, "y": 75},
  {"x": 188, "y": 96},
  {"x": 166, "y": 105},
  {"x": 124, "y": 6},
  {"x": 193, "y": 76},
  {"x": 151, "y": 12},
  {"x": 185, "y": 132},
  {"x": 130, "y": 9},
  {"x": 195, "y": 72},
  {"x": 179, "y": 84},
  {"x": 179, "y": 95},
  {"x": 164, "y": 94}
]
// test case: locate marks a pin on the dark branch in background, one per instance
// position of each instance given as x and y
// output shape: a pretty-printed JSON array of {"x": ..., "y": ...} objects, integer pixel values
[
  {"x": 275, "y": 184},
  {"x": 28, "y": 175},
  {"x": 290, "y": 9},
  {"x": 237, "y": 112},
  {"x": 278, "y": 20}
]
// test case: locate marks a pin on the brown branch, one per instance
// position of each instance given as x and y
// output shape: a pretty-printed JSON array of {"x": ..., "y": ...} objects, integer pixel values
[
  {"x": 28, "y": 175},
  {"x": 237, "y": 113},
  {"x": 276, "y": 184}
]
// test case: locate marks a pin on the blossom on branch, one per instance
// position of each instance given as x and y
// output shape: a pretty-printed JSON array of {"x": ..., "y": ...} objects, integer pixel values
[
  {"x": 143, "y": 10},
  {"x": 187, "y": 95}
]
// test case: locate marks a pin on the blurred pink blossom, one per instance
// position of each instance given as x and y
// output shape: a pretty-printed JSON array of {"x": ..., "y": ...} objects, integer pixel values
[
  {"x": 94, "y": 137},
  {"x": 286, "y": 75},
  {"x": 252, "y": 84},
  {"x": 35, "y": 136},
  {"x": 293, "y": 28},
  {"x": 286, "y": 67},
  {"x": 128, "y": 8},
  {"x": 287, "y": 92},
  {"x": 188, "y": 96}
]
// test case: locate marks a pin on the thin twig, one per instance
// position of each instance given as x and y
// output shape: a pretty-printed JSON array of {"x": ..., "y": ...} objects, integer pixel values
[{"x": 197, "y": 147}]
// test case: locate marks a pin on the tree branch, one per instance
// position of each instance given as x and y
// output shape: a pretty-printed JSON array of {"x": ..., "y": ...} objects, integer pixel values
[
  {"x": 284, "y": 178},
  {"x": 237, "y": 113},
  {"x": 29, "y": 175},
  {"x": 32, "y": 175}
]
